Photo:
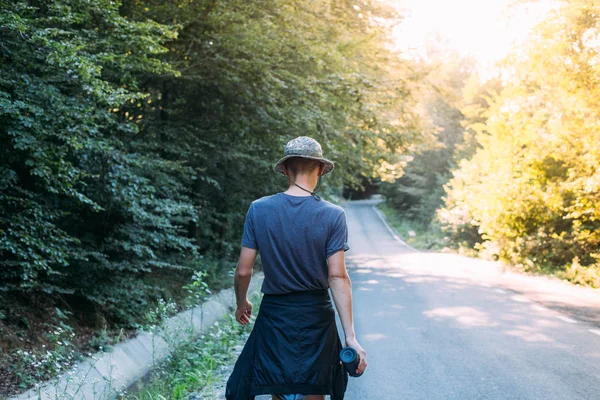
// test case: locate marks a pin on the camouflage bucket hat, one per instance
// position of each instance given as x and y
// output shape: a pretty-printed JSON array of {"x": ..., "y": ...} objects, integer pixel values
[{"x": 304, "y": 147}]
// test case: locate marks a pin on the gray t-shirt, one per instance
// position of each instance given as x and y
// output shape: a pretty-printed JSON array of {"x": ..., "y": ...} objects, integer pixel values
[{"x": 295, "y": 235}]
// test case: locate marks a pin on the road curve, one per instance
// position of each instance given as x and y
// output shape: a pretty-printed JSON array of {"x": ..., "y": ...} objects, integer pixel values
[{"x": 438, "y": 326}]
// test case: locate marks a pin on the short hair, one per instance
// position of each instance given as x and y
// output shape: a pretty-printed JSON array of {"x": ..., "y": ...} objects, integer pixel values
[{"x": 301, "y": 165}]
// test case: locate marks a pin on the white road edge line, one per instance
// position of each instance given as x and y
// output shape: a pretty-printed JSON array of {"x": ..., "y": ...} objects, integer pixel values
[
  {"x": 595, "y": 331},
  {"x": 389, "y": 228},
  {"x": 566, "y": 319}
]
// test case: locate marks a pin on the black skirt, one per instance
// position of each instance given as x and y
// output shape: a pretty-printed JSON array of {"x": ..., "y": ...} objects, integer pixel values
[{"x": 293, "y": 349}]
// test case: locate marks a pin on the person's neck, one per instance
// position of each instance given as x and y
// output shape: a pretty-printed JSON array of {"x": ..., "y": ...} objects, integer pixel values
[{"x": 307, "y": 182}]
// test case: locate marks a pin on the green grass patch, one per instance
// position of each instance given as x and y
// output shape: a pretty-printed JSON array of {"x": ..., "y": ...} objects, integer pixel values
[
  {"x": 194, "y": 366},
  {"x": 426, "y": 237}
]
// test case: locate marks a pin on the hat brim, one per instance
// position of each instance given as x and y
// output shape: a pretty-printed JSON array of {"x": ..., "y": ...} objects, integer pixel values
[{"x": 328, "y": 164}]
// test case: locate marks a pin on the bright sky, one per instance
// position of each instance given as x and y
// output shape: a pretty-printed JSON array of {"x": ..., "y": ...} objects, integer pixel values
[{"x": 484, "y": 29}]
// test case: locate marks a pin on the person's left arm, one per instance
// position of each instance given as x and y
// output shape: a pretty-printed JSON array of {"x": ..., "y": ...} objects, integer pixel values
[{"x": 243, "y": 274}]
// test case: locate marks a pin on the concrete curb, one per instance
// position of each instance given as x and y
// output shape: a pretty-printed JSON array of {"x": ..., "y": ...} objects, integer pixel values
[
  {"x": 391, "y": 229},
  {"x": 104, "y": 375}
]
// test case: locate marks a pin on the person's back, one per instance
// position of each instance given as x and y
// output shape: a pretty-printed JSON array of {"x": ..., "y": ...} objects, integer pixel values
[
  {"x": 293, "y": 350},
  {"x": 295, "y": 235}
]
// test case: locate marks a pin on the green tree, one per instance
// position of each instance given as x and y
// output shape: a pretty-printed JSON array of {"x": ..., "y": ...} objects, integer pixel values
[
  {"x": 255, "y": 75},
  {"x": 418, "y": 192},
  {"x": 82, "y": 211},
  {"x": 532, "y": 188},
  {"x": 135, "y": 134}
]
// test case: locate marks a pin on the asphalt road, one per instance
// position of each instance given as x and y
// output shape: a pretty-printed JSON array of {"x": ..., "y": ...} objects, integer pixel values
[{"x": 438, "y": 326}]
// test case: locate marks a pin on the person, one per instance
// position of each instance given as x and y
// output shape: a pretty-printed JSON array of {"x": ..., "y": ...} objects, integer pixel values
[{"x": 292, "y": 352}]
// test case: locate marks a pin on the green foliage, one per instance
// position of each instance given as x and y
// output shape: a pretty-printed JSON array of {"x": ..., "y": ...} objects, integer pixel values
[
  {"x": 417, "y": 194},
  {"x": 103, "y": 341},
  {"x": 56, "y": 356},
  {"x": 198, "y": 289},
  {"x": 254, "y": 75},
  {"x": 129, "y": 146},
  {"x": 81, "y": 211},
  {"x": 532, "y": 188}
]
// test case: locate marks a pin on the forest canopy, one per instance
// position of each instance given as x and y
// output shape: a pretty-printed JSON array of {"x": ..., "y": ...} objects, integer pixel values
[{"x": 135, "y": 134}]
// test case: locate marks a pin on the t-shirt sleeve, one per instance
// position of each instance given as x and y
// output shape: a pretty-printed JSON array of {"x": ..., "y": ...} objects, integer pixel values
[
  {"x": 338, "y": 237},
  {"x": 249, "y": 237}
]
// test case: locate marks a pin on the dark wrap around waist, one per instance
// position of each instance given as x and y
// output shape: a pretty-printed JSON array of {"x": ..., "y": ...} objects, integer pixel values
[{"x": 293, "y": 348}]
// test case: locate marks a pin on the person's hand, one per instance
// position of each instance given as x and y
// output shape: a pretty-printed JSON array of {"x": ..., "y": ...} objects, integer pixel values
[
  {"x": 362, "y": 354},
  {"x": 243, "y": 312}
]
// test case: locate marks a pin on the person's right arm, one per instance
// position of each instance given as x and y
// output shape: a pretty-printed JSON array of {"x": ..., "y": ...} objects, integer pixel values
[{"x": 341, "y": 289}]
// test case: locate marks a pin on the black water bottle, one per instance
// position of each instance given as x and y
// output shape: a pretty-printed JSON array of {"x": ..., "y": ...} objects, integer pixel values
[{"x": 350, "y": 360}]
